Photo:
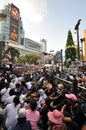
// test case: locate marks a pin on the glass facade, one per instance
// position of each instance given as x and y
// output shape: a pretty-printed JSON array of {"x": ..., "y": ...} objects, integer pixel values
[{"x": 12, "y": 31}]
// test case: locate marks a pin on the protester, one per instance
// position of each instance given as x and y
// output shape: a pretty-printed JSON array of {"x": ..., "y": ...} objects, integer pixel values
[
  {"x": 11, "y": 113},
  {"x": 42, "y": 97},
  {"x": 5, "y": 92},
  {"x": 33, "y": 115},
  {"x": 22, "y": 123},
  {"x": 56, "y": 120},
  {"x": 75, "y": 85},
  {"x": 43, "y": 112},
  {"x": 59, "y": 101},
  {"x": 74, "y": 110}
]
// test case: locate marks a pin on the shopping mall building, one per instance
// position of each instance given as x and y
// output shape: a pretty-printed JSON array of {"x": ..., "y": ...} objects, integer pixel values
[{"x": 12, "y": 32}]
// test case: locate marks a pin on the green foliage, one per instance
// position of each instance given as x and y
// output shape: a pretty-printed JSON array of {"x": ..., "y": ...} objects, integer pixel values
[
  {"x": 14, "y": 53},
  {"x": 70, "y": 51},
  {"x": 21, "y": 59},
  {"x": 70, "y": 54},
  {"x": 69, "y": 39},
  {"x": 32, "y": 58}
]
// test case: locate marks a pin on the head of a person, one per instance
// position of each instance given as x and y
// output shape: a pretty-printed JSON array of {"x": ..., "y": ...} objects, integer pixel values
[
  {"x": 16, "y": 100},
  {"x": 7, "y": 85},
  {"x": 47, "y": 101},
  {"x": 11, "y": 92},
  {"x": 55, "y": 118},
  {"x": 63, "y": 92},
  {"x": 21, "y": 115},
  {"x": 33, "y": 104},
  {"x": 41, "y": 92},
  {"x": 72, "y": 99},
  {"x": 17, "y": 85}
]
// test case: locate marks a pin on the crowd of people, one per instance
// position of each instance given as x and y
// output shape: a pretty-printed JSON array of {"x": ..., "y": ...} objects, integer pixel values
[{"x": 32, "y": 101}]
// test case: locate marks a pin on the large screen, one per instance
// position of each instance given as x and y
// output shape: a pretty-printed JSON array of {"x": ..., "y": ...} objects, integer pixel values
[{"x": 14, "y": 21}]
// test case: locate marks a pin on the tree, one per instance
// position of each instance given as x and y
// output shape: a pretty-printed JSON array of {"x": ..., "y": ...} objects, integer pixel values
[
  {"x": 14, "y": 53},
  {"x": 70, "y": 50},
  {"x": 32, "y": 58},
  {"x": 21, "y": 59}
]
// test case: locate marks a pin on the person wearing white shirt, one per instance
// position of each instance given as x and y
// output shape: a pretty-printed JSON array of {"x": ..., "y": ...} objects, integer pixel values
[
  {"x": 12, "y": 84},
  {"x": 11, "y": 111},
  {"x": 5, "y": 92},
  {"x": 29, "y": 85}
]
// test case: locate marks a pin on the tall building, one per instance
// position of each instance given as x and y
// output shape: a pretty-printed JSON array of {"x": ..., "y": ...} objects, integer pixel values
[
  {"x": 12, "y": 32},
  {"x": 43, "y": 43},
  {"x": 11, "y": 25},
  {"x": 4, "y": 27}
]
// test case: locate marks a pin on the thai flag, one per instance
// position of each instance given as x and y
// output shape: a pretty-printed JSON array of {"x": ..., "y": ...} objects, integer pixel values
[{"x": 9, "y": 55}]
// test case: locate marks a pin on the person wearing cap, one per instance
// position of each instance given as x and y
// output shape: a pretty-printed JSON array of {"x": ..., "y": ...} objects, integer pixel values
[
  {"x": 55, "y": 118},
  {"x": 22, "y": 123},
  {"x": 74, "y": 110}
]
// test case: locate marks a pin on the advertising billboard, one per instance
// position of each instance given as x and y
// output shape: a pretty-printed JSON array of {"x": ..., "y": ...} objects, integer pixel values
[{"x": 14, "y": 21}]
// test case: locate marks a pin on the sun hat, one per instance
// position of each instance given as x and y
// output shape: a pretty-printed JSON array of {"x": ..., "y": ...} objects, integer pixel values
[
  {"x": 55, "y": 117},
  {"x": 71, "y": 96},
  {"x": 22, "y": 113}
]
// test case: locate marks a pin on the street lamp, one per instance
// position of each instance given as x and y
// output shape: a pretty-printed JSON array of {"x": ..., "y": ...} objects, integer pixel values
[
  {"x": 61, "y": 62},
  {"x": 82, "y": 40},
  {"x": 77, "y": 30}
]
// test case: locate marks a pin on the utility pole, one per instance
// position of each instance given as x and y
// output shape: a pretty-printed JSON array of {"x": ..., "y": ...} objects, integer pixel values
[
  {"x": 82, "y": 40},
  {"x": 77, "y": 30},
  {"x": 61, "y": 62}
]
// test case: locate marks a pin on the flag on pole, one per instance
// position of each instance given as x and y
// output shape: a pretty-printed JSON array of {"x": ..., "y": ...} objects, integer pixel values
[{"x": 9, "y": 55}]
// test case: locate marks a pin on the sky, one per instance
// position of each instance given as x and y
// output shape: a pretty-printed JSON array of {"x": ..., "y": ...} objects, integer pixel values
[{"x": 51, "y": 20}]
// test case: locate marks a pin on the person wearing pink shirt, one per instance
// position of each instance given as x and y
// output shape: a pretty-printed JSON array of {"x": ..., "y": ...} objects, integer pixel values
[{"x": 33, "y": 115}]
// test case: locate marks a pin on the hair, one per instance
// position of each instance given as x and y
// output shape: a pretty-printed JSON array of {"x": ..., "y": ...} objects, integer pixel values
[
  {"x": 48, "y": 101},
  {"x": 11, "y": 92},
  {"x": 17, "y": 85},
  {"x": 7, "y": 85},
  {"x": 33, "y": 104},
  {"x": 16, "y": 100},
  {"x": 63, "y": 127},
  {"x": 21, "y": 120}
]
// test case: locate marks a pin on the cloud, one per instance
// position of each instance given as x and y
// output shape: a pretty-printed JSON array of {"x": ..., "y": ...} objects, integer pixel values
[{"x": 36, "y": 10}]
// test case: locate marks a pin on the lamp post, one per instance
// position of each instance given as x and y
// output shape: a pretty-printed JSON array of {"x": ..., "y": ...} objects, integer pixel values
[
  {"x": 77, "y": 30},
  {"x": 82, "y": 40},
  {"x": 61, "y": 62}
]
